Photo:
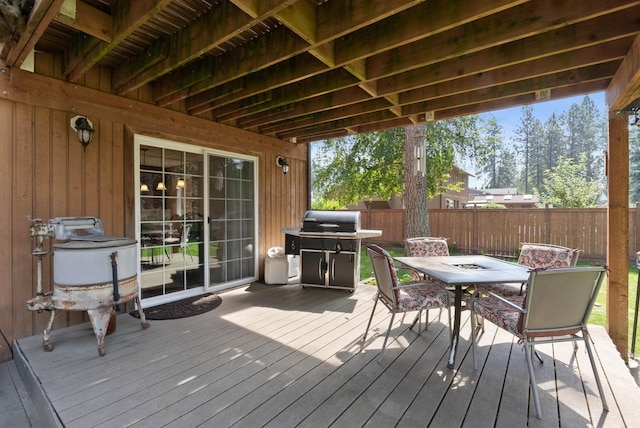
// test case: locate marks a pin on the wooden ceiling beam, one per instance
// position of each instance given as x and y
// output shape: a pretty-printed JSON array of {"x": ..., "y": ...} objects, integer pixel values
[
  {"x": 419, "y": 22},
  {"x": 283, "y": 73},
  {"x": 618, "y": 25},
  {"x": 440, "y": 98},
  {"x": 580, "y": 58},
  {"x": 128, "y": 17},
  {"x": 587, "y": 30},
  {"x": 525, "y": 20},
  {"x": 39, "y": 19},
  {"x": 521, "y": 100},
  {"x": 328, "y": 116},
  {"x": 89, "y": 20},
  {"x": 411, "y": 21},
  {"x": 553, "y": 80},
  {"x": 451, "y": 85},
  {"x": 258, "y": 54},
  {"x": 261, "y": 54},
  {"x": 350, "y": 122},
  {"x": 276, "y": 119},
  {"x": 625, "y": 85},
  {"x": 593, "y": 80},
  {"x": 326, "y": 83},
  {"x": 221, "y": 24}
]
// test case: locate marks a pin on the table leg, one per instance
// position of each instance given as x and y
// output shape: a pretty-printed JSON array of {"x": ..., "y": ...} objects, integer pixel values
[{"x": 456, "y": 327}]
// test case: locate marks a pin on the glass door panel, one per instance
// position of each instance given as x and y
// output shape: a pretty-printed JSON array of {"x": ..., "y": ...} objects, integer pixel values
[
  {"x": 171, "y": 221},
  {"x": 197, "y": 220},
  {"x": 232, "y": 211}
]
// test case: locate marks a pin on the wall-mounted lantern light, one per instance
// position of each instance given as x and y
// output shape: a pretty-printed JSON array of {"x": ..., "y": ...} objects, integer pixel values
[
  {"x": 84, "y": 128},
  {"x": 282, "y": 163}
]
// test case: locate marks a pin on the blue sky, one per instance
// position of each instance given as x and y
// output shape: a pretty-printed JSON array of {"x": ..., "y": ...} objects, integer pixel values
[{"x": 509, "y": 119}]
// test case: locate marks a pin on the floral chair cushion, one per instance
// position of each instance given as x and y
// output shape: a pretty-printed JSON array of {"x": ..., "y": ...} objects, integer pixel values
[
  {"x": 419, "y": 295},
  {"x": 537, "y": 256},
  {"x": 423, "y": 247},
  {"x": 414, "y": 295},
  {"x": 546, "y": 256},
  {"x": 500, "y": 313}
]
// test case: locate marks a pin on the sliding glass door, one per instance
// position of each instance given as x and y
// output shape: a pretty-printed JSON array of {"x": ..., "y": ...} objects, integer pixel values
[
  {"x": 196, "y": 219},
  {"x": 232, "y": 210}
]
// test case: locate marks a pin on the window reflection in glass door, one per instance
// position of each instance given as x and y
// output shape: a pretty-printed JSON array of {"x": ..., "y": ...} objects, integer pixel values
[
  {"x": 232, "y": 211},
  {"x": 171, "y": 221}
]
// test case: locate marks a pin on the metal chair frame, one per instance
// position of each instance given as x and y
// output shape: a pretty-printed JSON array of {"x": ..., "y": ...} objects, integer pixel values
[{"x": 556, "y": 309}]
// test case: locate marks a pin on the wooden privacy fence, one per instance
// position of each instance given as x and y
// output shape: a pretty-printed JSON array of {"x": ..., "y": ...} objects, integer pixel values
[{"x": 500, "y": 232}]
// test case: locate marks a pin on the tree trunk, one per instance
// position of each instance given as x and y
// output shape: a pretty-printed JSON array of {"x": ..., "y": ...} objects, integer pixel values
[{"x": 415, "y": 183}]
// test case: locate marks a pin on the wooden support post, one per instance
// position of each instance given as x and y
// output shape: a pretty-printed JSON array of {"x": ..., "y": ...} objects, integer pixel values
[{"x": 617, "y": 170}]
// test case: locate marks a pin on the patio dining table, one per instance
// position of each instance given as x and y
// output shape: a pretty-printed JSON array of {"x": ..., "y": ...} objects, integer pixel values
[{"x": 459, "y": 273}]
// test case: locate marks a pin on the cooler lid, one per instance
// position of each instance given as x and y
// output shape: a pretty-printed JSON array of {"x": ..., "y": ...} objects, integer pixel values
[{"x": 76, "y": 227}]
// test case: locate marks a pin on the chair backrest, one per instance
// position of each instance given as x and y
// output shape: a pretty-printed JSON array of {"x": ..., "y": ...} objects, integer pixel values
[
  {"x": 547, "y": 256},
  {"x": 385, "y": 273},
  {"x": 426, "y": 246},
  {"x": 559, "y": 301}
]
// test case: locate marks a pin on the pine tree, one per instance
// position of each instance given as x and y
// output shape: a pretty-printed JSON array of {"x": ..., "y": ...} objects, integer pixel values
[
  {"x": 527, "y": 139},
  {"x": 489, "y": 167}
]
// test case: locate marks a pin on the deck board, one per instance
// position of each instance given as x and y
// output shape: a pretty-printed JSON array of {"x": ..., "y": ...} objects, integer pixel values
[{"x": 286, "y": 356}]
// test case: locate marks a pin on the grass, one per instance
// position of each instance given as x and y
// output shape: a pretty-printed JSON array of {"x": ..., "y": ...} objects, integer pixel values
[{"x": 598, "y": 315}]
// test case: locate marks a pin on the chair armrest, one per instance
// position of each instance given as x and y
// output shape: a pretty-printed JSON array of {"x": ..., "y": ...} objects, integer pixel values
[
  {"x": 416, "y": 284},
  {"x": 508, "y": 302}
]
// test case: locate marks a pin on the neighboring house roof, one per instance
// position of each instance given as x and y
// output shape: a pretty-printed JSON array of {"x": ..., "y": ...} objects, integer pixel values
[
  {"x": 496, "y": 191},
  {"x": 505, "y": 199}
]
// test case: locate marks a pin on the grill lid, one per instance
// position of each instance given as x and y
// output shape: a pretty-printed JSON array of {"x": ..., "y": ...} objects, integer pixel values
[{"x": 331, "y": 221}]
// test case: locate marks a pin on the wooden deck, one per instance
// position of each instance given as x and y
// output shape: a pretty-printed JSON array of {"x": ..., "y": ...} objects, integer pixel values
[{"x": 281, "y": 356}]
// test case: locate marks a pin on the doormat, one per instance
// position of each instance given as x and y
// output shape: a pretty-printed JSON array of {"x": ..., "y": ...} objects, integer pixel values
[{"x": 188, "y": 307}]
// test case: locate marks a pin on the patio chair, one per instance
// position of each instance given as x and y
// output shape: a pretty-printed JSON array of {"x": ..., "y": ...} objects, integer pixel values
[
  {"x": 183, "y": 240},
  {"x": 403, "y": 297},
  {"x": 536, "y": 256},
  {"x": 555, "y": 309},
  {"x": 426, "y": 246}
]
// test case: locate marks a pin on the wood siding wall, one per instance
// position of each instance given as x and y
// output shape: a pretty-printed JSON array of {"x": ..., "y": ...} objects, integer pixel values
[
  {"x": 47, "y": 174},
  {"x": 500, "y": 232}
]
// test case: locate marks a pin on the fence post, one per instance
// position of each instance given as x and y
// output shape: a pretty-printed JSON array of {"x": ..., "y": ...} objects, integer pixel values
[
  {"x": 474, "y": 238},
  {"x": 547, "y": 221}
]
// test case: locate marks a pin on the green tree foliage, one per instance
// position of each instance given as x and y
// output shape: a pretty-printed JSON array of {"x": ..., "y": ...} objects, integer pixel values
[
  {"x": 554, "y": 143},
  {"x": 586, "y": 132},
  {"x": 493, "y": 206},
  {"x": 371, "y": 165},
  {"x": 507, "y": 169},
  {"x": 490, "y": 166},
  {"x": 567, "y": 186},
  {"x": 527, "y": 138},
  {"x": 358, "y": 167},
  {"x": 499, "y": 165}
]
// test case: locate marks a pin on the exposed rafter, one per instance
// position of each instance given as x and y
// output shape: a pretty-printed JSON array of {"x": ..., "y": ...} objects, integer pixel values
[{"x": 301, "y": 70}]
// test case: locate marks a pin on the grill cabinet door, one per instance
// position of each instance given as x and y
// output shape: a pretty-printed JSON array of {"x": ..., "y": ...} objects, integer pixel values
[
  {"x": 314, "y": 267},
  {"x": 341, "y": 269}
]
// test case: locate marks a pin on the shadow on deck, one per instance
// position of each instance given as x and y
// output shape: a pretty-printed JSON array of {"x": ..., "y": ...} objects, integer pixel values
[{"x": 282, "y": 356}]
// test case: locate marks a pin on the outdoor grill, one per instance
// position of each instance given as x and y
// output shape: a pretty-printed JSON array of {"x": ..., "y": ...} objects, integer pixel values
[
  {"x": 91, "y": 272},
  {"x": 329, "y": 248}
]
